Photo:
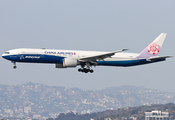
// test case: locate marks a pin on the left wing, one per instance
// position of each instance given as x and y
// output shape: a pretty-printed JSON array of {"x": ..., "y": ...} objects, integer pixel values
[{"x": 99, "y": 57}]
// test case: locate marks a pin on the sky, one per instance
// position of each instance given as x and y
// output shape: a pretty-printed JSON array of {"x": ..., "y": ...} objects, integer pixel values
[{"x": 93, "y": 25}]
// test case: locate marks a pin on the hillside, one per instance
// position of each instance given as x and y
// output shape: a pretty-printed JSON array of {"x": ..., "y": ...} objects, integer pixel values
[
  {"x": 33, "y": 99},
  {"x": 123, "y": 113}
]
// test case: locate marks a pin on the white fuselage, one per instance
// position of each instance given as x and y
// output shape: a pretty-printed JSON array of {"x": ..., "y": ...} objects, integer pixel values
[{"x": 67, "y": 53}]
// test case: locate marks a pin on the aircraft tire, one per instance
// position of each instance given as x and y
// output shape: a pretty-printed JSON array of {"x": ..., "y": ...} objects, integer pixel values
[
  {"x": 79, "y": 70},
  {"x": 86, "y": 70},
  {"x": 91, "y": 71}
]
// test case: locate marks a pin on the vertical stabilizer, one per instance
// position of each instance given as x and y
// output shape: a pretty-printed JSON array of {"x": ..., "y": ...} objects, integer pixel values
[{"x": 154, "y": 48}]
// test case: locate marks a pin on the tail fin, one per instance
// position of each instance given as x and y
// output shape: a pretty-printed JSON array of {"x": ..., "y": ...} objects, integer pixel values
[{"x": 153, "y": 49}]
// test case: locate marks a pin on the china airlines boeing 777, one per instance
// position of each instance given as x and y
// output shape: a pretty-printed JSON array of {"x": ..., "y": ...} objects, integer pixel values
[{"x": 87, "y": 59}]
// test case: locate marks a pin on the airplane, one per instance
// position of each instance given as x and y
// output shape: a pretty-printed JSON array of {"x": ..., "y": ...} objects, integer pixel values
[{"x": 87, "y": 59}]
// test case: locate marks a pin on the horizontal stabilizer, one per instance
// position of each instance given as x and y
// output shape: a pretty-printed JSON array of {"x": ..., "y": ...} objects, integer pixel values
[{"x": 157, "y": 58}]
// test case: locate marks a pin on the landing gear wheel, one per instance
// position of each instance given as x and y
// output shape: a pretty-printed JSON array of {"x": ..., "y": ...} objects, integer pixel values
[
  {"x": 86, "y": 71},
  {"x": 91, "y": 71},
  {"x": 14, "y": 67},
  {"x": 79, "y": 70}
]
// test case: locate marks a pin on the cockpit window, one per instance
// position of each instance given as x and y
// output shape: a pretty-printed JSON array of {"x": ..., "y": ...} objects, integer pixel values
[{"x": 7, "y": 52}]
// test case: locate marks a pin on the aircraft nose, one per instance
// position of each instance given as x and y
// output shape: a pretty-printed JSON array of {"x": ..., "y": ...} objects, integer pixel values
[
  {"x": 6, "y": 55},
  {"x": 3, "y": 55}
]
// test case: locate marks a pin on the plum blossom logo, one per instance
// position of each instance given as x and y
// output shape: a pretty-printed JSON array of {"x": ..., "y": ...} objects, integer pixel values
[{"x": 153, "y": 48}]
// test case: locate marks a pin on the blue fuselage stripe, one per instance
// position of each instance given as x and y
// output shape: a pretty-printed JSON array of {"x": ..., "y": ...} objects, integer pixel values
[
  {"x": 35, "y": 58},
  {"x": 127, "y": 63}
]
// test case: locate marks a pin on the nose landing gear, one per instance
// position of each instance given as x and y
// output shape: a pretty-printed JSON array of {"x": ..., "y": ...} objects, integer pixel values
[{"x": 14, "y": 65}]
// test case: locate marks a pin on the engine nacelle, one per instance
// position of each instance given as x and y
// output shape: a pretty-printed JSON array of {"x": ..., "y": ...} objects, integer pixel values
[
  {"x": 59, "y": 66},
  {"x": 70, "y": 62}
]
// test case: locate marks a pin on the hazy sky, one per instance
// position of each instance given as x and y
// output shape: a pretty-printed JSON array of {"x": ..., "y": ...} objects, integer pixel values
[{"x": 102, "y": 25}]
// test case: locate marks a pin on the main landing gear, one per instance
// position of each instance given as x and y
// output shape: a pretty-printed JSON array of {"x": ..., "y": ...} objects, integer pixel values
[{"x": 85, "y": 70}]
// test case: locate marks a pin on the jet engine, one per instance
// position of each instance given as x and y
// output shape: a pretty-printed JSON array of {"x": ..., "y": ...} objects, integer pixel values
[
  {"x": 67, "y": 62},
  {"x": 70, "y": 62}
]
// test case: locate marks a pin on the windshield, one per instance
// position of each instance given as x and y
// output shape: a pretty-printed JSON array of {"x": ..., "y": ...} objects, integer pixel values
[{"x": 7, "y": 52}]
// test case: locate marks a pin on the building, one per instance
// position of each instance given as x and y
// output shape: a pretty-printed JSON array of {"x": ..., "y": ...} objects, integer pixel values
[
  {"x": 133, "y": 118},
  {"x": 27, "y": 109},
  {"x": 158, "y": 115},
  {"x": 107, "y": 119},
  {"x": 36, "y": 116}
]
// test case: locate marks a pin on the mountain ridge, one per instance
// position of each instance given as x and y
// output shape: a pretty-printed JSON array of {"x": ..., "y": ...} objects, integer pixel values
[{"x": 48, "y": 101}]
